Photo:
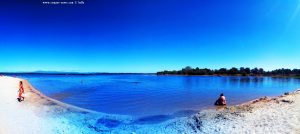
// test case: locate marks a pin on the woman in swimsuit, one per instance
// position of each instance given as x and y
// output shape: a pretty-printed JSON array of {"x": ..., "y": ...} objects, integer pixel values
[{"x": 21, "y": 91}]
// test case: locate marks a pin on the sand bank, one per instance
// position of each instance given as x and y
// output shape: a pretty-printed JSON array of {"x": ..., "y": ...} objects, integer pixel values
[{"x": 40, "y": 114}]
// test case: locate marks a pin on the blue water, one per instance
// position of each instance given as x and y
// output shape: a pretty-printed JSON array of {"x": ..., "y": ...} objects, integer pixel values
[{"x": 156, "y": 96}]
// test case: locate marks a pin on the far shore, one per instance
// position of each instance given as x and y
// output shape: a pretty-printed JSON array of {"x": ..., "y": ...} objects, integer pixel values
[
  {"x": 41, "y": 114},
  {"x": 239, "y": 75}
]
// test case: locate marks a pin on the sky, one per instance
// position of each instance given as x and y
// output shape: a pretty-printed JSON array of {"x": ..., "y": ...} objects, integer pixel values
[{"x": 149, "y": 35}]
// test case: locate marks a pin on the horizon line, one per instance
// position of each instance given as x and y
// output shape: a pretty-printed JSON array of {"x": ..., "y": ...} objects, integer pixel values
[{"x": 95, "y": 72}]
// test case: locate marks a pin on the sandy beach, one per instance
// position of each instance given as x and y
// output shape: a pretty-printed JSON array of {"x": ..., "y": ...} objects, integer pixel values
[{"x": 41, "y": 114}]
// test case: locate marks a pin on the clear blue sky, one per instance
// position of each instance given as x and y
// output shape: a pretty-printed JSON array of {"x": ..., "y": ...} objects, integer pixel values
[{"x": 149, "y": 35}]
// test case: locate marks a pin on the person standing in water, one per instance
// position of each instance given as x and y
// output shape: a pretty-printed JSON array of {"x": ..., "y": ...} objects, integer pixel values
[
  {"x": 21, "y": 91},
  {"x": 221, "y": 101}
]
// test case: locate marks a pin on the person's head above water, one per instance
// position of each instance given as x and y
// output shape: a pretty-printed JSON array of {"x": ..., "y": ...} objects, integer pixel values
[
  {"x": 221, "y": 94},
  {"x": 21, "y": 82}
]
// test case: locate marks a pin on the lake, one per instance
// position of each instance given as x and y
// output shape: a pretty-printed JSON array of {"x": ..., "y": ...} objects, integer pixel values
[{"x": 141, "y": 95}]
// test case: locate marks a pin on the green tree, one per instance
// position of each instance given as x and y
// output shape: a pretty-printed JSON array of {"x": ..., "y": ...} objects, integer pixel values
[
  {"x": 243, "y": 71},
  {"x": 254, "y": 71},
  {"x": 233, "y": 71},
  {"x": 260, "y": 71},
  {"x": 223, "y": 71},
  {"x": 247, "y": 70}
]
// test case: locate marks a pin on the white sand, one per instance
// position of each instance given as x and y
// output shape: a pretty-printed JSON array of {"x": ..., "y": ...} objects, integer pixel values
[
  {"x": 16, "y": 117},
  {"x": 39, "y": 114}
]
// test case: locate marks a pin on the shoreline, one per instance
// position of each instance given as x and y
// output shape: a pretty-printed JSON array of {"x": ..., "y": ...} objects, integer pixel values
[
  {"x": 60, "y": 117},
  {"x": 296, "y": 77},
  {"x": 46, "y": 98}
]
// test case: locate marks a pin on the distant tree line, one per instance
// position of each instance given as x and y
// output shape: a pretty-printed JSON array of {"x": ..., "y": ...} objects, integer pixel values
[{"x": 242, "y": 71}]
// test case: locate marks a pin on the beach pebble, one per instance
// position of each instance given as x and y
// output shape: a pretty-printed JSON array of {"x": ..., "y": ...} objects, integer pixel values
[
  {"x": 287, "y": 101},
  {"x": 286, "y": 93}
]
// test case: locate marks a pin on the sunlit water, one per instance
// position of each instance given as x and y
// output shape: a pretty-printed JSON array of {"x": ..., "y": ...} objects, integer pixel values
[{"x": 156, "y": 96}]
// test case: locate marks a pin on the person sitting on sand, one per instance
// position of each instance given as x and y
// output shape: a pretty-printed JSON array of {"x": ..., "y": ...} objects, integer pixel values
[
  {"x": 21, "y": 91},
  {"x": 221, "y": 101}
]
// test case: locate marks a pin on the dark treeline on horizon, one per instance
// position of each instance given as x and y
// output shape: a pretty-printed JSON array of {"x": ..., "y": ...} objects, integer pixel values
[{"x": 242, "y": 71}]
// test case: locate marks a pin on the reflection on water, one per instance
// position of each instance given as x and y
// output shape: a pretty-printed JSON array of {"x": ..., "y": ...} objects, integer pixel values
[{"x": 156, "y": 97}]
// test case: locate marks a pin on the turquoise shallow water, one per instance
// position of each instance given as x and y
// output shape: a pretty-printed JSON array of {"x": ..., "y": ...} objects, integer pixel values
[{"x": 155, "y": 98}]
